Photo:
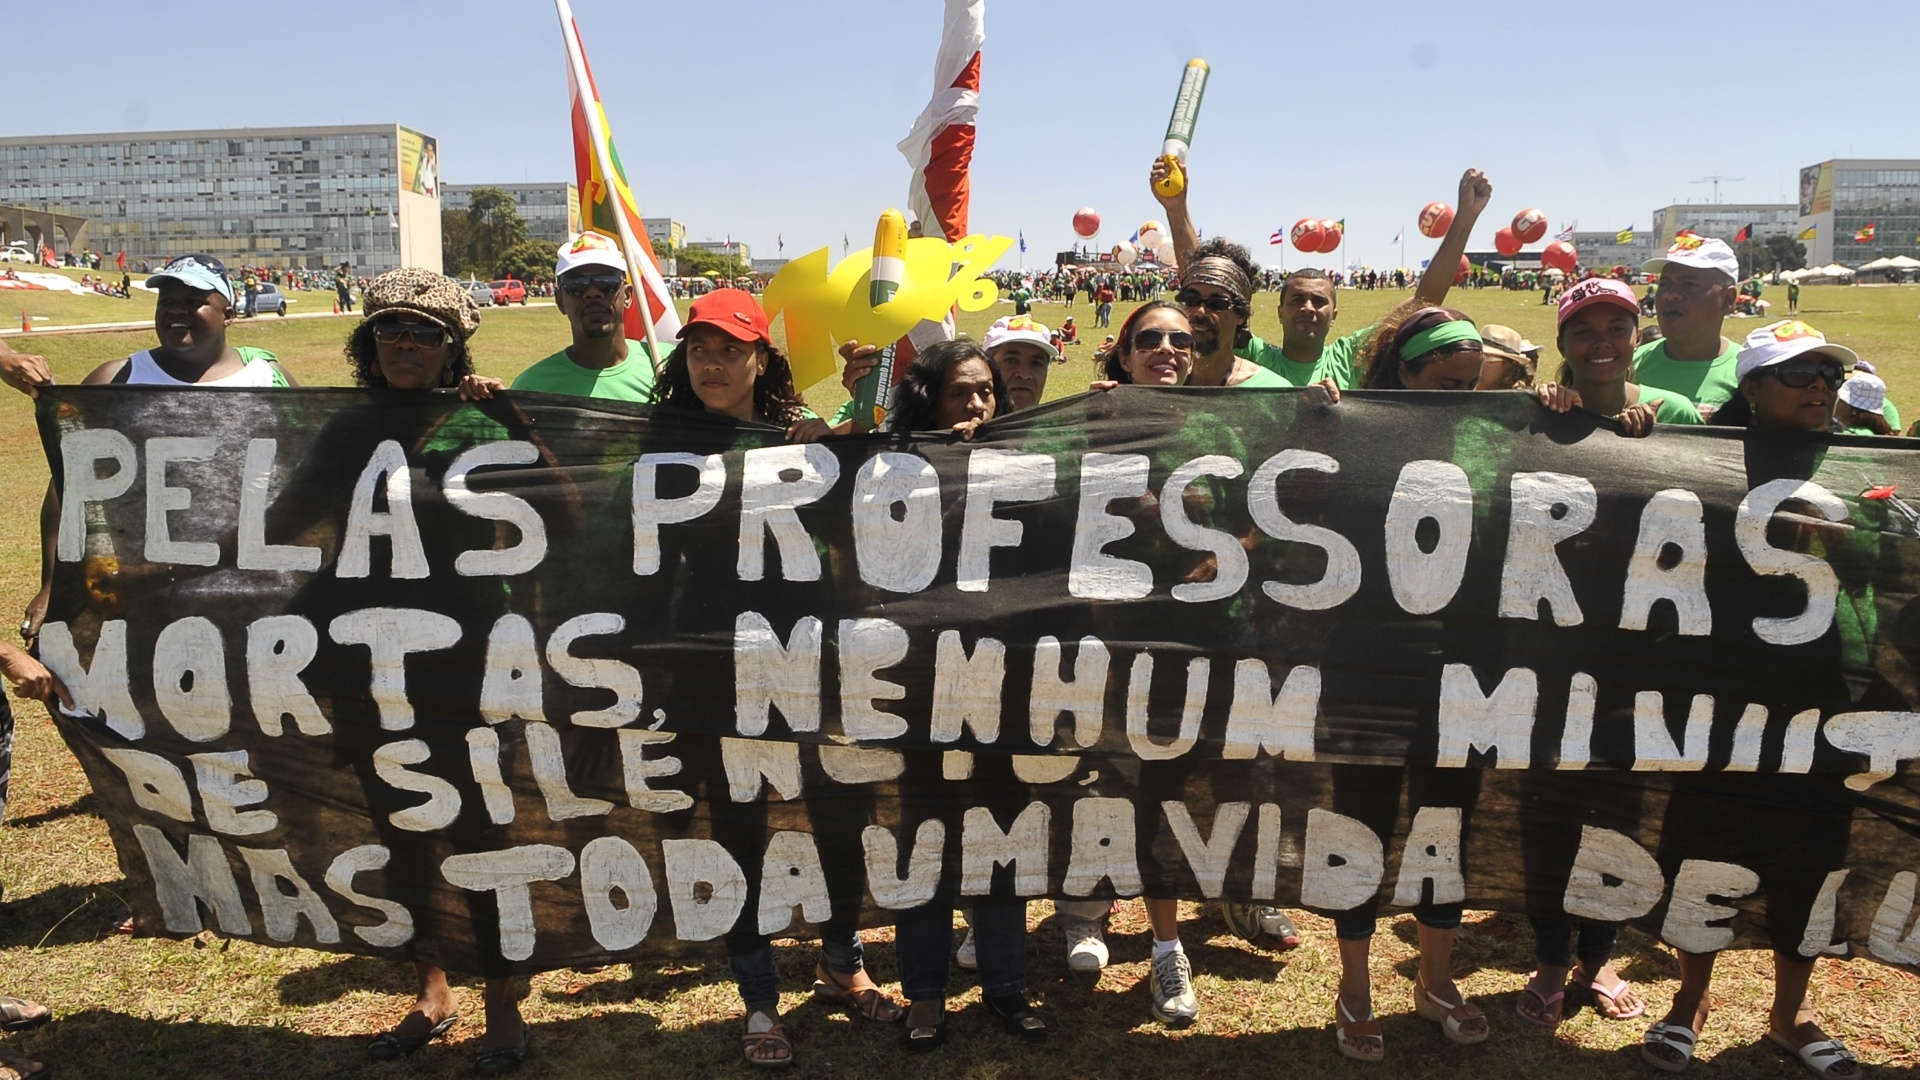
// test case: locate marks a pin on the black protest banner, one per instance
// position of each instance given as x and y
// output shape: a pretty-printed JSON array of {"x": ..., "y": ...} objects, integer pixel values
[{"x": 535, "y": 682}]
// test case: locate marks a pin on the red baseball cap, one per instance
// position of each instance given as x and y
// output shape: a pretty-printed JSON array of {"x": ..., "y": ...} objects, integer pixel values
[
  {"x": 733, "y": 311},
  {"x": 1597, "y": 291}
]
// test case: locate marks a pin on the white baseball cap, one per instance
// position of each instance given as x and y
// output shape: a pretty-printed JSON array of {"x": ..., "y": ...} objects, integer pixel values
[
  {"x": 590, "y": 249},
  {"x": 1865, "y": 392},
  {"x": 1787, "y": 340},
  {"x": 1019, "y": 328},
  {"x": 1699, "y": 252}
]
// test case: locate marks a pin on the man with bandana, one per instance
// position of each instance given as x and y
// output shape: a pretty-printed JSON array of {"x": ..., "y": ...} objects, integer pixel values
[{"x": 1217, "y": 301}]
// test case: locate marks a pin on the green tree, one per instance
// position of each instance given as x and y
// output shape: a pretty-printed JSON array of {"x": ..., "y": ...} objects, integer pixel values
[
  {"x": 695, "y": 262},
  {"x": 494, "y": 226},
  {"x": 1774, "y": 253},
  {"x": 454, "y": 238},
  {"x": 529, "y": 260}
]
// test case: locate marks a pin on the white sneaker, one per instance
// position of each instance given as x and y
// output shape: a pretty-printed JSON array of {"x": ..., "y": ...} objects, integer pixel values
[
  {"x": 1174, "y": 1003},
  {"x": 1086, "y": 945},
  {"x": 967, "y": 958}
]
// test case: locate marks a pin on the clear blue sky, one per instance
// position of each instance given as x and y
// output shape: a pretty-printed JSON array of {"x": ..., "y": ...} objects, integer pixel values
[{"x": 757, "y": 118}]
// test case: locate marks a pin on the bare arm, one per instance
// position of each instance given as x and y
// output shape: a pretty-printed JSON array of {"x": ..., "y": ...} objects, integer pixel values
[
  {"x": 1475, "y": 193},
  {"x": 1179, "y": 223}
]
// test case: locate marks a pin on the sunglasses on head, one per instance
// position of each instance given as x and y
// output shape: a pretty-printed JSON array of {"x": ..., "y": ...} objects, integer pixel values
[
  {"x": 1149, "y": 340},
  {"x": 608, "y": 284},
  {"x": 1799, "y": 374},
  {"x": 424, "y": 335},
  {"x": 1216, "y": 302}
]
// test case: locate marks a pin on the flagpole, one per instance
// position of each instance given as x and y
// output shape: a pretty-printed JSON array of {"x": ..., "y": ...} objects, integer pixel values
[{"x": 596, "y": 134}]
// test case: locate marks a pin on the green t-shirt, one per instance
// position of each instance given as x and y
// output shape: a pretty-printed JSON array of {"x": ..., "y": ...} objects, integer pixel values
[
  {"x": 1261, "y": 378},
  {"x": 630, "y": 380},
  {"x": 1892, "y": 414},
  {"x": 1336, "y": 361},
  {"x": 1709, "y": 384},
  {"x": 1673, "y": 408}
]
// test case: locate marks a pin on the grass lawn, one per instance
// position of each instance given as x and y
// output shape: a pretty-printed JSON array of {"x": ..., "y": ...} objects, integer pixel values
[{"x": 218, "y": 1009}]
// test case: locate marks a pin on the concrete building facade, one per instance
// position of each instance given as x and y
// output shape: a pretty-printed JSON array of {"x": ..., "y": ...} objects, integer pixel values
[
  {"x": 1840, "y": 198},
  {"x": 295, "y": 197},
  {"x": 551, "y": 211}
]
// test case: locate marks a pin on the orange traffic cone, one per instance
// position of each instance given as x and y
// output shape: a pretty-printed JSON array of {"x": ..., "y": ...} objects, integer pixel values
[
  {"x": 26, "y": 323},
  {"x": 336, "y": 307}
]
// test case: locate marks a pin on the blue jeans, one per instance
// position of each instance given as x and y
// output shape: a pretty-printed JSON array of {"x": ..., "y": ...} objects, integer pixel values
[
  {"x": 751, "y": 961},
  {"x": 925, "y": 946}
]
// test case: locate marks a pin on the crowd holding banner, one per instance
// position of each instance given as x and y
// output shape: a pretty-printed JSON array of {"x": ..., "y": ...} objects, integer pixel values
[{"x": 639, "y": 655}]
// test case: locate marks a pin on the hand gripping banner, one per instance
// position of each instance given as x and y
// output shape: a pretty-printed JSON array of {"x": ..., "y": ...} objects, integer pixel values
[{"x": 537, "y": 682}]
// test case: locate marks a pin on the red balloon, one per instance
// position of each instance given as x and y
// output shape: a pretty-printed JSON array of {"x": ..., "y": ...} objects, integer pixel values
[
  {"x": 1505, "y": 242},
  {"x": 1435, "y": 217},
  {"x": 1308, "y": 234},
  {"x": 1333, "y": 233},
  {"x": 1466, "y": 267},
  {"x": 1086, "y": 222},
  {"x": 1530, "y": 225},
  {"x": 1561, "y": 256}
]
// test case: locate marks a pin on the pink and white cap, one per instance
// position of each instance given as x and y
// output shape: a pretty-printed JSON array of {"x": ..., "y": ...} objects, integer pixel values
[
  {"x": 1593, "y": 291},
  {"x": 1699, "y": 252}
]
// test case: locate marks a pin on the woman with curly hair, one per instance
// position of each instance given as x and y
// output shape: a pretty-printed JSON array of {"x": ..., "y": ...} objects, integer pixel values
[
  {"x": 950, "y": 387},
  {"x": 726, "y": 364}
]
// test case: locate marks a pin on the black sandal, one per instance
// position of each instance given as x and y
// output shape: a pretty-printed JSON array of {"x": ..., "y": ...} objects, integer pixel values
[
  {"x": 392, "y": 1046},
  {"x": 503, "y": 1059},
  {"x": 1018, "y": 1017},
  {"x": 926, "y": 1038},
  {"x": 18, "y": 1015}
]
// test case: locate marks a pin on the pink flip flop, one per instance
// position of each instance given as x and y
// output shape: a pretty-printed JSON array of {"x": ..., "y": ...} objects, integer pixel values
[
  {"x": 1613, "y": 997},
  {"x": 1547, "y": 1001}
]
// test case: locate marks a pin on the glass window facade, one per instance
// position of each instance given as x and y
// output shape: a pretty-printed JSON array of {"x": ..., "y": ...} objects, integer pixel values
[
  {"x": 1888, "y": 199},
  {"x": 548, "y": 209},
  {"x": 273, "y": 197}
]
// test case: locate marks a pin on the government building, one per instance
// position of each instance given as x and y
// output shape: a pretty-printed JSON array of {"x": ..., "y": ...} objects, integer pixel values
[{"x": 307, "y": 197}]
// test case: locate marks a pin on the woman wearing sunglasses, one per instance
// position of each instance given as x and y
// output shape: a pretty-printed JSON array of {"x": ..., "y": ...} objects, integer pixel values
[
  {"x": 1789, "y": 376},
  {"x": 1154, "y": 348}
]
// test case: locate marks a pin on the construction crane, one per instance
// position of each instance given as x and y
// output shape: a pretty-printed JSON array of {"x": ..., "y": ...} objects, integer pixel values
[{"x": 1716, "y": 180}]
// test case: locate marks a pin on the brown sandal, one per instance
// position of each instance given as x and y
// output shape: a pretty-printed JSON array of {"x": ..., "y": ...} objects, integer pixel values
[
  {"x": 869, "y": 1002},
  {"x": 774, "y": 1039},
  {"x": 15, "y": 1067}
]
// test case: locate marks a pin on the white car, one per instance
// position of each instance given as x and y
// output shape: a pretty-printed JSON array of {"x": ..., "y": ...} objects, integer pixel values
[{"x": 19, "y": 253}]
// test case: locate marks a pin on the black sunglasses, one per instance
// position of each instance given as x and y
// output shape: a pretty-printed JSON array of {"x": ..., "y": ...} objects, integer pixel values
[
  {"x": 424, "y": 335},
  {"x": 1800, "y": 375},
  {"x": 1216, "y": 302},
  {"x": 1149, "y": 340},
  {"x": 608, "y": 284}
]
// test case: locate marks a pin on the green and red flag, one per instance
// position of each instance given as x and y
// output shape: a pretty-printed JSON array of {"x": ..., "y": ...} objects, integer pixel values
[
  {"x": 607, "y": 204},
  {"x": 1864, "y": 235}
]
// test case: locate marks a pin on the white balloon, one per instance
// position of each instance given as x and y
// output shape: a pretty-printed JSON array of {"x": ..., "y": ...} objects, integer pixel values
[
  {"x": 1124, "y": 253},
  {"x": 1164, "y": 252},
  {"x": 1150, "y": 240}
]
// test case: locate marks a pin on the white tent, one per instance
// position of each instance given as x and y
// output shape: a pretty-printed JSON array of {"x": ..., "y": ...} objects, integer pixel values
[
  {"x": 1821, "y": 275},
  {"x": 1904, "y": 262},
  {"x": 1880, "y": 264}
]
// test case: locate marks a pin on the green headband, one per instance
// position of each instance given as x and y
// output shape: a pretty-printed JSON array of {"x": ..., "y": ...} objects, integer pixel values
[{"x": 1435, "y": 337}]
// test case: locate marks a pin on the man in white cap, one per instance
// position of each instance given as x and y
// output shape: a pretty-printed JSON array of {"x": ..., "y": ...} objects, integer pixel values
[
  {"x": 1699, "y": 278},
  {"x": 1024, "y": 352},
  {"x": 591, "y": 289}
]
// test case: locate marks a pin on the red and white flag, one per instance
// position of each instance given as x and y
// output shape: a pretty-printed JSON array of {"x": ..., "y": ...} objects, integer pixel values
[
  {"x": 607, "y": 204},
  {"x": 940, "y": 146}
]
